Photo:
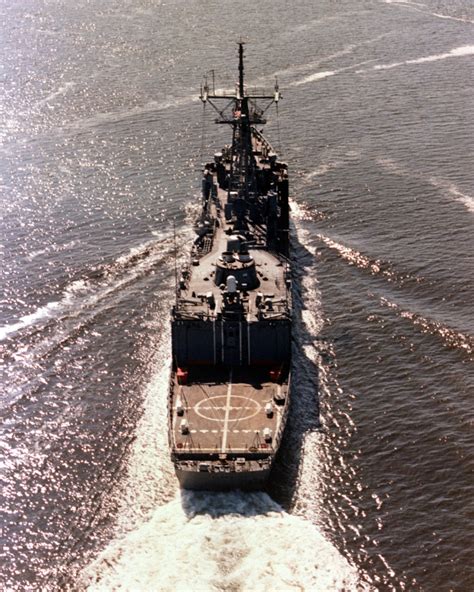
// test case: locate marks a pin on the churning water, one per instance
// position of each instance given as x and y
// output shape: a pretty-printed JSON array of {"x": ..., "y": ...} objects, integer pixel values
[{"x": 102, "y": 143}]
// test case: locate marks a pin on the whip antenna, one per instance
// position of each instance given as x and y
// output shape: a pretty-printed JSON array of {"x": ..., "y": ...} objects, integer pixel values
[{"x": 175, "y": 263}]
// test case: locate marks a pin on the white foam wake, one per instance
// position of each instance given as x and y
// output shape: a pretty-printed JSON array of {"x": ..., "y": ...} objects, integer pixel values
[
  {"x": 132, "y": 112},
  {"x": 168, "y": 540},
  {"x": 418, "y": 6},
  {"x": 314, "y": 77},
  {"x": 62, "y": 90},
  {"x": 465, "y": 50},
  {"x": 450, "y": 188},
  {"x": 89, "y": 292},
  {"x": 406, "y": 2},
  {"x": 221, "y": 541},
  {"x": 452, "y": 18},
  {"x": 72, "y": 295},
  {"x": 206, "y": 541},
  {"x": 300, "y": 69},
  {"x": 327, "y": 73},
  {"x": 42, "y": 313}
]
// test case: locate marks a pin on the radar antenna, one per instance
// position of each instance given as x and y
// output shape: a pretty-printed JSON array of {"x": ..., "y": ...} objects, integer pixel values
[{"x": 242, "y": 112}]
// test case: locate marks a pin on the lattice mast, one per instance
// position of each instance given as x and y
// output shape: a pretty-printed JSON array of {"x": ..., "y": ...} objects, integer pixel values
[{"x": 243, "y": 114}]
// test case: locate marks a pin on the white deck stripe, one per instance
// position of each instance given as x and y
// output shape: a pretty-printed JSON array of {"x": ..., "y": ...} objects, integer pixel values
[{"x": 227, "y": 412}]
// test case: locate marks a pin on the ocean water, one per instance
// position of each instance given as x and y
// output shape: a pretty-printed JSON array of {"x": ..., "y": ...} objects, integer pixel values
[{"x": 102, "y": 145}]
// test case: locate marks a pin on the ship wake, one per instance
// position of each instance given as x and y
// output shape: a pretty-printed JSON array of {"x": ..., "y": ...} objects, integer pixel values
[
  {"x": 171, "y": 540},
  {"x": 226, "y": 541},
  {"x": 95, "y": 285}
]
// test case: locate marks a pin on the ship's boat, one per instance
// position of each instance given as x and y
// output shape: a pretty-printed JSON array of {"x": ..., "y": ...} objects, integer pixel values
[{"x": 231, "y": 323}]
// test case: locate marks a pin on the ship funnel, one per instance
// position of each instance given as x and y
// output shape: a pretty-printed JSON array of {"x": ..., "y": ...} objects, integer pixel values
[{"x": 231, "y": 284}]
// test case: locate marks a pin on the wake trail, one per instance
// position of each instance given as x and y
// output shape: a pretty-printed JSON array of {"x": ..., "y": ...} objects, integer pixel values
[
  {"x": 453, "y": 190},
  {"x": 325, "y": 474},
  {"x": 418, "y": 7},
  {"x": 457, "y": 52},
  {"x": 376, "y": 267},
  {"x": 122, "y": 115},
  {"x": 59, "y": 92},
  {"x": 300, "y": 69},
  {"x": 450, "y": 338},
  {"x": 170, "y": 540},
  {"x": 221, "y": 541},
  {"x": 86, "y": 293},
  {"x": 448, "y": 186}
]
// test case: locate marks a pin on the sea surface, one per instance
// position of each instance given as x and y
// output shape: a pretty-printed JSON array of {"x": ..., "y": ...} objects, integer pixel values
[{"x": 103, "y": 139}]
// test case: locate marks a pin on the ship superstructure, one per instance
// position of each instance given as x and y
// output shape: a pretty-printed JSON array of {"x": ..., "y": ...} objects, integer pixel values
[{"x": 231, "y": 323}]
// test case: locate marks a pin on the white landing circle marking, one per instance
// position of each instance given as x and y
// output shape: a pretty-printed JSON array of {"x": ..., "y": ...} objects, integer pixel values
[{"x": 218, "y": 403}]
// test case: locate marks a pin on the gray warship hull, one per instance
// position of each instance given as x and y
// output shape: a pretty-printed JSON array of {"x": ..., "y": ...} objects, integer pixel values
[
  {"x": 231, "y": 323},
  {"x": 223, "y": 481},
  {"x": 209, "y": 473}
]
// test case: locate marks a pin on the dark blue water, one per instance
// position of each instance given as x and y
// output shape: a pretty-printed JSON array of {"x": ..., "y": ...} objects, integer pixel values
[{"x": 102, "y": 144}]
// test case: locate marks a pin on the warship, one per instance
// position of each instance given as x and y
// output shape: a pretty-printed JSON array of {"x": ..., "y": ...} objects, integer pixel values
[{"x": 231, "y": 323}]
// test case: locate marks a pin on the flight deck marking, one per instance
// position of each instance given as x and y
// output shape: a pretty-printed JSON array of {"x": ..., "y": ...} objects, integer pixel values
[
  {"x": 227, "y": 411},
  {"x": 252, "y": 407}
]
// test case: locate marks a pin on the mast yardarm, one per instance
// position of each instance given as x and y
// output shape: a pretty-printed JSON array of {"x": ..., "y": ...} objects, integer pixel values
[{"x": 243, "y": 114}]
